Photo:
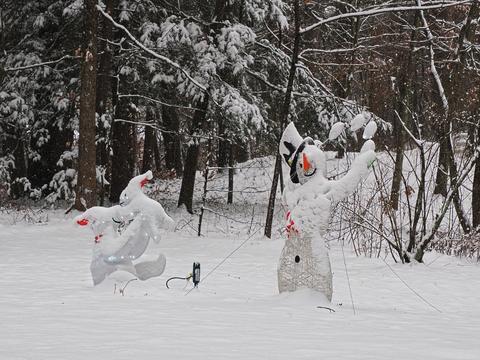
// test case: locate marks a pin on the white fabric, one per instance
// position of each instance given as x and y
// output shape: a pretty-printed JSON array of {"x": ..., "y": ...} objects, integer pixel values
[
  {"x": 370, "y": 130},
  {"x": 368, "y": 145},
  {"x": 336, "y": 130},
  {"x": 357, "y": 122}
]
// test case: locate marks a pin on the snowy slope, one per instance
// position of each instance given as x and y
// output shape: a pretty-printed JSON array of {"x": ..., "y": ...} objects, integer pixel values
[{"x": 50, "y": 310}]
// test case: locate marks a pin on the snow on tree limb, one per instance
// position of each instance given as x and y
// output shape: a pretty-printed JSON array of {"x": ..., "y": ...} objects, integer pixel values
[
  {"x": 156, "y": 101},
  {"x": 151, "y": 52},
  {"x": 381, "y": 11},
  {"x": 335, "y": 51}
]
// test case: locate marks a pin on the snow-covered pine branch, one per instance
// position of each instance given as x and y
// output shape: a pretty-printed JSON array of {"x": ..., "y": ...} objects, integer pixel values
[{"x": 151, "y": 52}]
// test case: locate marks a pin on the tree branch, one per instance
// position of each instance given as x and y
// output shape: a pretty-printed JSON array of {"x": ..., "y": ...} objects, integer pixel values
[
  {"x": 27, "y": 67},
  {"x": 380, "y": 11}
]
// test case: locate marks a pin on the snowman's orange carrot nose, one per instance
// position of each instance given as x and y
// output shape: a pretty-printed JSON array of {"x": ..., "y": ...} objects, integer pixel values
[{"x": 306, "y": 163}]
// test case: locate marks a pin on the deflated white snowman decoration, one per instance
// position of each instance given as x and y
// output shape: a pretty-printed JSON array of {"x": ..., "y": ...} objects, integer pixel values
[
  {"x": 309, "y": 198},
  {"x": 123, "y": 232}
]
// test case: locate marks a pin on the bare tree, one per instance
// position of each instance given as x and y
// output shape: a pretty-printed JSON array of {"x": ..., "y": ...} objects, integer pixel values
[
  {"x": 191, "y": 159},
  {"x": 86, "y": 193},
  {"x": 149, "y": 142}
]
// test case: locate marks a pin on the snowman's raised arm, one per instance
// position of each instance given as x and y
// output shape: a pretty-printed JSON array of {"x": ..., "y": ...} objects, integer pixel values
[
  {"x": 97, "y": 214},
  {"x": 340, "y": 189}
]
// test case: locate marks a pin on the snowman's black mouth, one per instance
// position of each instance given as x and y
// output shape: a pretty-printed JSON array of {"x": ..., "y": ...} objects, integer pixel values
[{"x": 310, "y": 172}]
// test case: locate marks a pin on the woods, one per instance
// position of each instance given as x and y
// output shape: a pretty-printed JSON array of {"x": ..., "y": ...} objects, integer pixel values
[{"x": 93, "y": 93}]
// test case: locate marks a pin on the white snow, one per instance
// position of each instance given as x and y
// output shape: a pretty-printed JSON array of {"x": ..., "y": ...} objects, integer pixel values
[{"x": 50, "y": 310}]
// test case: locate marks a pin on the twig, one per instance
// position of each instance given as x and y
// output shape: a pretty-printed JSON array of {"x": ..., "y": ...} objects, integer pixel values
[
  {"x": 27, "y": 67},
  {"x": 325, "y": 307},
  {"x": 122, "y": 290}
]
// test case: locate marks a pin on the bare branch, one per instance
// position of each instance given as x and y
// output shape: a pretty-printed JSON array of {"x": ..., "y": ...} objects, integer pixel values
[
  {"x": 381, "y": 11},
  {"x": 433, "y": 68}
]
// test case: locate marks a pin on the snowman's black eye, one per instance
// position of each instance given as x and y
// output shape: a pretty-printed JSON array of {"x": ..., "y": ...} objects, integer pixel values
[{"x": 297, "y": 259}]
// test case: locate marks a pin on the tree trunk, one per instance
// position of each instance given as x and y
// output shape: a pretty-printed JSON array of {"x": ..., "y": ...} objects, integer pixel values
[
  {"x": 457, "y": 201},
  {"x": 476, "y": 195},
  {"x": 441, "y": 179},
  {"x": 190, "y": 168},
  {"x": 355, "y": 25},
  {"x": 16, "y": 145},
  {"x": 60, "y": 139},
  {"x": 86, "y": 192},
  {"x": 397, "y": 172},
  {"x": 171, "y": 140},
  {"x": 402, "y": 107},
  {"x": 123, "y": 149},
  {"x": 283, "y": 120},
  {"x": 458, "y": 79},
  {"x": 231, "y": 172},
  {"x": 156, "y": 151},
  {"x": 398, "y": 131},
  {"x": 223, "y": 145},
  {"x": 273, "y": 194},
  {"x": 149, "y": 143},
  {"x": 104, "y": 103}
]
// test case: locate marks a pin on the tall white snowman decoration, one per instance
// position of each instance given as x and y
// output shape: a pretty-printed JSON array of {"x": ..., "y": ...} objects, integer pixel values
[{"x": 309, "y": 197}]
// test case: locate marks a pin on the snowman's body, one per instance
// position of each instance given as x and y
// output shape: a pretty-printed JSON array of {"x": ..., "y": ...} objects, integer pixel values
[
  {"x": 301, "y": 266},
  {"x": 125, "y": 252},
  {"x": 309, "y": 197}
]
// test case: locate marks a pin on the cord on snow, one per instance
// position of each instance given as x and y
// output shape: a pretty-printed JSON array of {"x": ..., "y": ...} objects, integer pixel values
[
  {"x": 225, "y": 259},
  {"x": 411, "y": 289}
]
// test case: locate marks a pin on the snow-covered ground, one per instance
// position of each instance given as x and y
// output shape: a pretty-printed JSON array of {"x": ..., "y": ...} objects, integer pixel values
[{"x": 50, "y": 310}]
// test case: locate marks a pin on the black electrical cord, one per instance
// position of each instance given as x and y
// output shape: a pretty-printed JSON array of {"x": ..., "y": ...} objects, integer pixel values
[{"x": 177, "y": 278}]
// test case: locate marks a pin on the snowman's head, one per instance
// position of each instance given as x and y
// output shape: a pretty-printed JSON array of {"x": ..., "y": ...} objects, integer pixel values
[
  {"x": 134, "y": 188},
  {"x": 309, "y": 161}
]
